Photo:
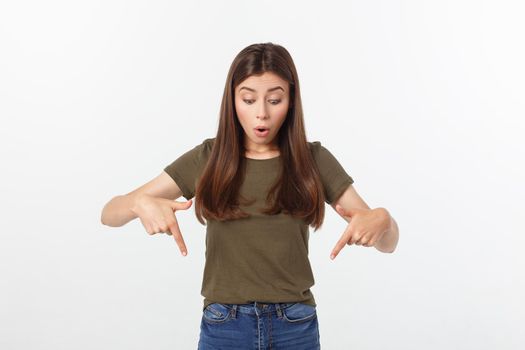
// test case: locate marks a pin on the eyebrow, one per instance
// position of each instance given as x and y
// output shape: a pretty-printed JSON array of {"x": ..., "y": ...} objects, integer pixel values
[{"x": 253, "y": 90}]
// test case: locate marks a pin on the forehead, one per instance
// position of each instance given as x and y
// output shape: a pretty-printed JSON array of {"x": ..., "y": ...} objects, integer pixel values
[{"x": 263, "y": 82}]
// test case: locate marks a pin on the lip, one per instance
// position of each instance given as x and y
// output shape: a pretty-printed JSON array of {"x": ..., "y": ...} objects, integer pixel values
[
  {"x": 262, "y": 127},
  {"x": 264, "y": 133}
]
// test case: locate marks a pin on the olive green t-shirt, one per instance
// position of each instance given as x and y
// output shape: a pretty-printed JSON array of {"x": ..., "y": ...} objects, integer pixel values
[{"x": 262, "y": 258}]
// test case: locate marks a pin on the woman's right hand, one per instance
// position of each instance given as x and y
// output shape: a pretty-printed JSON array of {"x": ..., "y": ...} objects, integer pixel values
[{"x": 158, "y": 216}]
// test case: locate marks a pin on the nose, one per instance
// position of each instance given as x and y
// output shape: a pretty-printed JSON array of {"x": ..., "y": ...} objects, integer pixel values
[{"x": 261, "y": 111}]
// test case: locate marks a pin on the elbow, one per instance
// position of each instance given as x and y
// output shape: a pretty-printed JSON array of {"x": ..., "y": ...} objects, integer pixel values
[
  {"x": 116, "y": 212},
  {"x": 107, "y": 221},
  {"x": 104, "y": 215},
  {"x": 103, "y": 219},
  {"x": 390, "y": 245},
  {"x": 390, "y": 251}
]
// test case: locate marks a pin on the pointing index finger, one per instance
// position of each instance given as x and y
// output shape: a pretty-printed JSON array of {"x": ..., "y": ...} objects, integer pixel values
[
  {"x": 341, "y": 243},
  {"x": 175, "y": 230}
]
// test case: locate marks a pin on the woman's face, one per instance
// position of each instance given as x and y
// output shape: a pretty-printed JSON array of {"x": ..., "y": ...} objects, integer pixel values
[{"x": 262, "y": 100}]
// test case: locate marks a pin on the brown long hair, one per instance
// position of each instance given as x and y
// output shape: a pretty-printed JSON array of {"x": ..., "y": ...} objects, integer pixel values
[{"x": 298, "y": 190}]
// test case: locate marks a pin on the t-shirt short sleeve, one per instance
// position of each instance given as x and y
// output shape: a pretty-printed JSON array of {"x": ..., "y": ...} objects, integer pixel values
[
  {"x": 185, "y": 169},
  {"x": 333, "y": 176}
]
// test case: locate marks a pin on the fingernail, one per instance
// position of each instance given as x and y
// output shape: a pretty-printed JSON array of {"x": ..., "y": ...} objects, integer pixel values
[
  {"x": 184, "y": 253},
  {"x": 332, "y": 256}
]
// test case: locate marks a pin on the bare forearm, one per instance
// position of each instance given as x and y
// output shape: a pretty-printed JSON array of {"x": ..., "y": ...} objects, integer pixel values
[
  {"x": 388, "y": 243},
  {"x": 117, "y": 212}
]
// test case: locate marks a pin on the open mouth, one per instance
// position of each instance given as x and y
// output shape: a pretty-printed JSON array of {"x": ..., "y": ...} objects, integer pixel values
[{"x": 261, "y": 132}]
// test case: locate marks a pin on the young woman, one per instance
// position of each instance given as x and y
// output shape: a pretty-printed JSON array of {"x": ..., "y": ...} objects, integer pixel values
[{"x": 258, "y": 185}]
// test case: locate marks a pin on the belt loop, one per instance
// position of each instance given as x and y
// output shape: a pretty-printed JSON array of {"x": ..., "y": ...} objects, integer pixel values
[
  {"x": 234, "y": 310},
  {"x": 278, "y": 308}
]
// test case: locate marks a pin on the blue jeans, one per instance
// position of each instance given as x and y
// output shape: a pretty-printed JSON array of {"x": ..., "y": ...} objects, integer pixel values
[{"x": 259, "y": 326}]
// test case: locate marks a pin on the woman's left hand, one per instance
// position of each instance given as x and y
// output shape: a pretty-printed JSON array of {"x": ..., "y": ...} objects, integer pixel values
[{"x": 366, "y": 227}]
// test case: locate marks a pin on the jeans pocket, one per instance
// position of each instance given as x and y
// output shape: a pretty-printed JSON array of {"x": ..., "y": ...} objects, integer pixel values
[
  {"x": 217, "y": 313},
  {"x": 299, "y": 312}
]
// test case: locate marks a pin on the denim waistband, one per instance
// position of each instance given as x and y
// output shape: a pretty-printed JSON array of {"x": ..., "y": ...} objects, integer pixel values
[{"x": 257, "y": 307}]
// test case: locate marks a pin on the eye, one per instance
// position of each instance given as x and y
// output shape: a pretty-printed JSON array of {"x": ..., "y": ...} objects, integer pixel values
[
  {"x": 276, "y": 102},
  {"x": 248, "y": 101}
]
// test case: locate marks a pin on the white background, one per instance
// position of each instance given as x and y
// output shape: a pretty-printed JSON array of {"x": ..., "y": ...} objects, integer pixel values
[{"x": 422, "y": 102}]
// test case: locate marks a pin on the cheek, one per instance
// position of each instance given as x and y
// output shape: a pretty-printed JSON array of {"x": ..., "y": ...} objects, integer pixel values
[
  {"x": 281, "y": 111},
  {"x": 242, "y": 114}
]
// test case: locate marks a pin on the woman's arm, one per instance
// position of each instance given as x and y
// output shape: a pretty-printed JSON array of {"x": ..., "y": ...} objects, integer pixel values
[
  {"x": 350, "y": 199},
  {"x": 118, "y": 211},
  {"x": 388, "y": 243}
]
